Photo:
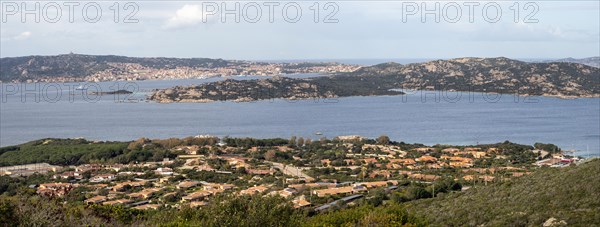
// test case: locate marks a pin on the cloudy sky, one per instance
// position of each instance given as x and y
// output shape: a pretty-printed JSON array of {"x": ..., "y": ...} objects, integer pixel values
[{"x": 275, "y": 30}]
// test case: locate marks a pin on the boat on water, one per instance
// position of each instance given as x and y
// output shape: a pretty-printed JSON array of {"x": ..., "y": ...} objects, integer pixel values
[
  {"x": 318, "y": 133},
  {"x": 81, "y": 88}
]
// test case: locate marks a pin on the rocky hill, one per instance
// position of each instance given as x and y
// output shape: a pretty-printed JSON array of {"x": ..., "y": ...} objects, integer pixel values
[{"x": 501, "y": 75}]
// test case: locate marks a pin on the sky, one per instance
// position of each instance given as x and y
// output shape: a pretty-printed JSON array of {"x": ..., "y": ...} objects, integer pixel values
[{"x": 305, "y": 29}]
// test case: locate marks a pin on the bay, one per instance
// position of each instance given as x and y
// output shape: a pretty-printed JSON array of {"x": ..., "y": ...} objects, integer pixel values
[{"x": 428, "y": 117}]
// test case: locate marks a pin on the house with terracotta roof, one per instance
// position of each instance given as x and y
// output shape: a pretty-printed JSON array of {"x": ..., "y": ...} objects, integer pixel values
[
  {"x": 144, "y": 194},
  {"x": 424, "y": 149},
  {"x": 260, "y": 171},
  {"x": 254, "y": 190},
  {"x": 285, "y": 193},
  {"x": 117, "y": 202},
  {"x": 164, "y": 171},
  {"x": 426, "y": 158},
  {"x": 56, "y": 189},
  {"x": 88, "y": 167},
  {"x": 121, "y": 186},
  {"x": 469, "y": 149},
  {"x": 451, "y": 150},
  {"x": 381, "y": 173},
  {"x": 486, "y": 178},
  {"x": 196, "y": 196},
  {"x": 340, "y": 190},
  {"x": 376, "y": 184},
  {"x": 460, "y": 159},
  {"x": 102, "y": 178},
  {"x": 403, "y": 161},
  {"x": 437, "y": 165},
  {"x": 213, "y": 186},
  {"x": 461, "y": 164},
  {"x": 494, "y": 150},
  {"x": 187, "y": 184},
  {"x": 191, "y": 150},
  {"x": 425, "y": 177},
  {"x": 147, "y": 207},
  {"x": 369, "y": 160},
  {"x": 312, "y": 185},
  {"x": 301, "y": 202},
  {"x": 95, "y": 199}
]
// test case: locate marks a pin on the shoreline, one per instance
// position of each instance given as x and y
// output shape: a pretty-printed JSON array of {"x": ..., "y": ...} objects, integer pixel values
[
  {"x": 241, "y": 100},
  {"x": 590, "y": 154}
]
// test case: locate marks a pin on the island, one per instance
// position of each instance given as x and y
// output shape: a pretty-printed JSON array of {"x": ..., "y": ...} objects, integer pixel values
[
  {"x": 491, "y": 75},
  {"x": 277, "y": 87},
  {"x": 117, "y": 92}
]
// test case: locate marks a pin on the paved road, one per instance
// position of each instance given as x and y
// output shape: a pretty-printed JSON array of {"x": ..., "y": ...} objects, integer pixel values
[{"x": 292, "y": 171}]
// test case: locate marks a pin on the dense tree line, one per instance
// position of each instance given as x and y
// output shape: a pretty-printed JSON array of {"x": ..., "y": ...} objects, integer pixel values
[{"x": 224, "y": 210}]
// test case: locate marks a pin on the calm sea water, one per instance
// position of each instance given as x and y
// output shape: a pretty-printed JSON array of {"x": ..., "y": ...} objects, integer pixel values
[{"x": 420, "y": 117}]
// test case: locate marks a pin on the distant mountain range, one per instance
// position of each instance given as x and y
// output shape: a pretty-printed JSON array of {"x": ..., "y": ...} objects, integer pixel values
[
  {"x": 496, "y": 75},
  {"x": 591, "y": 61},
  {"x": 564, "y": 77}
]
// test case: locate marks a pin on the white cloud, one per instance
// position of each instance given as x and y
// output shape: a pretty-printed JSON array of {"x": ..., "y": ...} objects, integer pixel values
[
  {"x": 188, "y": 15},
  {"x": 22, "y": 36}
]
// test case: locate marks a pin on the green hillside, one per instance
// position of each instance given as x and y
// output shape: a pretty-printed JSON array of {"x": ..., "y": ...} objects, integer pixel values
[{"x": 567, "y": 194}]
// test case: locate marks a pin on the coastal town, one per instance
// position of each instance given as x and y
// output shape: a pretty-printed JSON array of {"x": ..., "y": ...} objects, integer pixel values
[
  {"x": 317, "y": 175},
  {"x": 132, "y": 71}
]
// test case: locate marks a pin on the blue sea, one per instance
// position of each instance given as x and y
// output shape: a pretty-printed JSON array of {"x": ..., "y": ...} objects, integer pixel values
[{"x": 34, "y": 111}]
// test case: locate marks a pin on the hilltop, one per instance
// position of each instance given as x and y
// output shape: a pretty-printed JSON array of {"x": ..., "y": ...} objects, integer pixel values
[{"x": 569, "y": 196}]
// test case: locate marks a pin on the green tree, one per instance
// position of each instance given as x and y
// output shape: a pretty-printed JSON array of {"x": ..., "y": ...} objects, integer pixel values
[
  {"x": 383, "y": 139},
  {"x": 8, "y": 212},
  {"x": 300, "y": 142}
]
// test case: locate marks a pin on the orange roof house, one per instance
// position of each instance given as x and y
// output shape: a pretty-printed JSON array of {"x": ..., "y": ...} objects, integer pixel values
[
  {"x": 95, "y": 199},
  {"x": 195, "y": 196},
  {"x": 403, "y": 161},
  {"x": 426, "y": 158},
  {"x": 187, "y": 184},
  {"x": 144, "y": 194},
  {"x": 254, "y": 190}
]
